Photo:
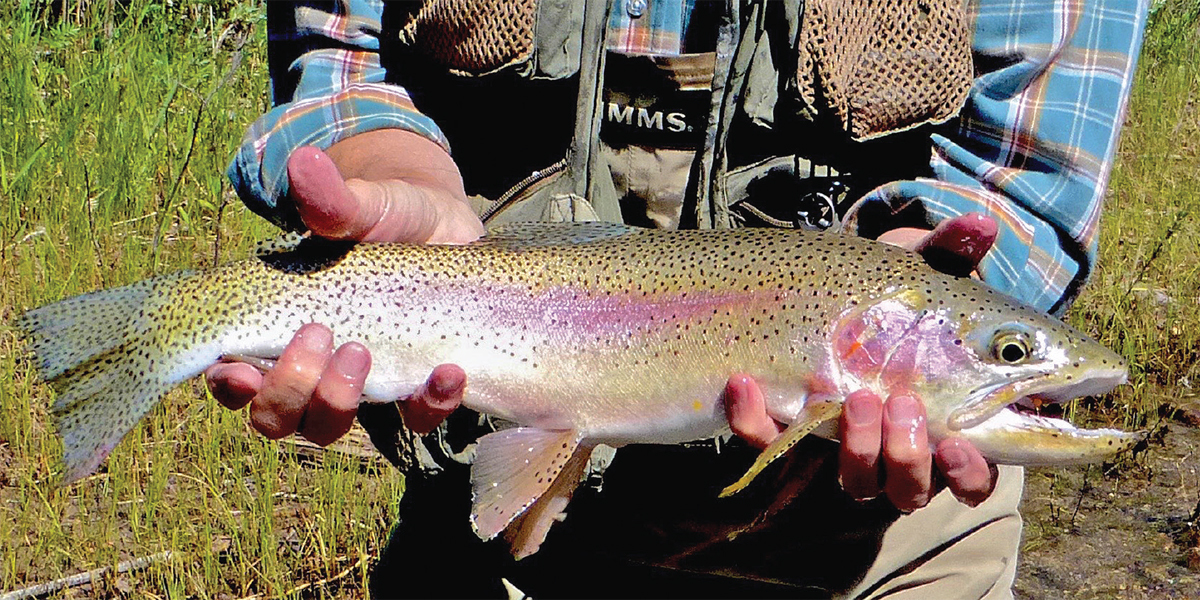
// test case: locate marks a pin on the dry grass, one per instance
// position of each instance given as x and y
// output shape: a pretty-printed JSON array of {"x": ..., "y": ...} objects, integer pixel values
[{"x": 1144, "y": 299}]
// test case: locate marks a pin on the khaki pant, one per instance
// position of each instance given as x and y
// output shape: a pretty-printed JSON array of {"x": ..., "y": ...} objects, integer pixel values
[
  {"x": 953, "y": 551},
  {"x": 657, "y": 529}
]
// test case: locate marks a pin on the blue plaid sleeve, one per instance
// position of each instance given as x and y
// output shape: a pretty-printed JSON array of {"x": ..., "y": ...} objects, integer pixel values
[
  {"x": 332, "y": 89},
  {"x": 1034, "y": 145}
]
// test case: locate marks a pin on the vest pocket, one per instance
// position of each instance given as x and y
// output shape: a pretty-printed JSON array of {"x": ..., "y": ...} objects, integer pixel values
[
  {"x": 883, "y": 66},
  {"x": 543, "y": 196},
  {"x": 479, "y": 37}
]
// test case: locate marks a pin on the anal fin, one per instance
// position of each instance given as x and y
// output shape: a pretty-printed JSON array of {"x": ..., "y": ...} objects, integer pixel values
[
  {"x": 512, "y": 469},
  {"x": 810, "y": 417}
]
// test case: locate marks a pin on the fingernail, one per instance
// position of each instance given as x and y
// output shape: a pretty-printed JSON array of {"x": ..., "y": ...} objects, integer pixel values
[
  {"x": 353, "y": 360},
  {"x": 736, "y": 384},
  {"x": 315, "y": 339},
  {"x": 954, "y": 459},
  {"x": 445, "y": 387},
  {"x": 861, "y": 411},
  {"x": 902, "y": 409}
]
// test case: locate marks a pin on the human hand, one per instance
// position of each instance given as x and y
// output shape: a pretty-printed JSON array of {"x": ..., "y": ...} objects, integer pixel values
[
  {"x": 382, "y": 186},
  {"x": 955, "y": 246},
  {"x": 314, "y": 390},
  {"x": 886, "y": 449},
  {"x": 388, "y": 185}
]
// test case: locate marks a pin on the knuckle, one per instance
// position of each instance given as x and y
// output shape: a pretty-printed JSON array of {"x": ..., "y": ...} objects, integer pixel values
[
  {"x": 228, "y": 390},
  {"x": 863, "y": 449},
  {"x": 972, "y": 491},
  {"x": 907, "y": 458},
  {"x": 757, "y": 433},
  {"x": 323, "y": 436},
  {"x": 911, "y": 503},
  {"x": 908, "y": 490},
  {"x": 861, "y": 483},
  {"x": 907, "y": 494},
  {"x": 340, "y": 392},
  {"x": 418, "y": 421},
  {"x": 971, "y": 499},
  {"x": 268, "y": 424},
  {"x": 292, "y": 383}
]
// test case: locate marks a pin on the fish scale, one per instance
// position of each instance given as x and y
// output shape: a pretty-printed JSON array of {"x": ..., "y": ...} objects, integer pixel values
[{"x": 587, "y": 334}]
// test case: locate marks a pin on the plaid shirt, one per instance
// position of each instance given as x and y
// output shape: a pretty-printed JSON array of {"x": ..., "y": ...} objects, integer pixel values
[{"x": 1033, "y": 146}]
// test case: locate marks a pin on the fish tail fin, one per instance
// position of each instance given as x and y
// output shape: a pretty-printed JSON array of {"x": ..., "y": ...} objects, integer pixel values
[
  {"x": 101, "y": 355},
  {"x": 71, "y": 332}
]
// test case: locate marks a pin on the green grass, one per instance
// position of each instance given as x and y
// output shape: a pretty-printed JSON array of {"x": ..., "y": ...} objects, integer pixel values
[
  {"x": 111, "y": 170},
  {"x": 1144, "y": 297},
  {"x": 116, "y": 122}
]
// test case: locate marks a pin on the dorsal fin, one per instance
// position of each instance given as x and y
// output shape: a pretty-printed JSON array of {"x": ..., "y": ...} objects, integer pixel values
[{"x": 531, "y": 235}]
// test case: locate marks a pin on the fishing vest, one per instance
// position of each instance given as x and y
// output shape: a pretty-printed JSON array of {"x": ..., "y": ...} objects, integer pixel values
[
  {"x": 793, "y": 110},
  {"x": 782, "y": 114}
]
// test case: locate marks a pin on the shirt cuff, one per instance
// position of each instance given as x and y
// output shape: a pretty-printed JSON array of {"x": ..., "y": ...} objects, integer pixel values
[{"x": 259, "y": 168}]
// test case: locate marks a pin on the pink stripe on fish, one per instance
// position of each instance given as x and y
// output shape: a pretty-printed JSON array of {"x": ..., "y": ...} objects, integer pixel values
[{"x": 630, "y": 312}]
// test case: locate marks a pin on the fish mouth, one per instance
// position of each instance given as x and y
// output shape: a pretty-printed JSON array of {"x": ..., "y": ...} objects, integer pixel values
[{"x": 1026, "y": 396}]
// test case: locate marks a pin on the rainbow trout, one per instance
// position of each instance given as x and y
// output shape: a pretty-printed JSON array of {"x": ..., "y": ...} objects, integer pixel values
[{"x": 587, "y": 334}]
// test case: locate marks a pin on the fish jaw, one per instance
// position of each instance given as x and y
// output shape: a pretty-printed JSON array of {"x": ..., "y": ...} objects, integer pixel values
[
  {"x": 1014, "y": 437},
  {"x": 1008, "y": 434},
  {"x": 988, "y": 401}
]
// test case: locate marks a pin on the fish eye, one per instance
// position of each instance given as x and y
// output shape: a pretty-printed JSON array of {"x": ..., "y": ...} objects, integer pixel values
[{"x": 1010, "y": 347}]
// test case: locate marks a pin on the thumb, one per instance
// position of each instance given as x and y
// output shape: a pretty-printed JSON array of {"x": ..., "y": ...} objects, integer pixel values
[
  {"x": 957, "y": 245},
  {"x": 390, "y": 210},
  {"x": 324, "y": 201}
]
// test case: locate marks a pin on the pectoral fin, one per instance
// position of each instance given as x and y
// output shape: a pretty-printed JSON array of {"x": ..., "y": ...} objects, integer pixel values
[
  {"x": 262, "y": 364},
  {"x": 809, "y": 418},
  {"x": 512, "y": 469}
]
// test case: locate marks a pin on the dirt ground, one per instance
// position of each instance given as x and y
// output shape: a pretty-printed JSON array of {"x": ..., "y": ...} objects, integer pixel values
[{"x": 1123, "y": 531}]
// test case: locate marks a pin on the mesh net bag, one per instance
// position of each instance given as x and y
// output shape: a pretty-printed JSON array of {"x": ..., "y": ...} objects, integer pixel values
[
  {"x": 885, "y": 65},
  {"x": 473, "y": 36}
]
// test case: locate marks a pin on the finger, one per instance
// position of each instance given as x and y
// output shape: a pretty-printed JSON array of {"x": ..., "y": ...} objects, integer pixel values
[
  {"x": 435, "y": 399},
  {"x": 233, "y": 384},
  {"x": 907, "y": 461},
  {"x": 968, "y": 474},
  {"x": 905, "y": 237},
  {"x": 287, "y": 389},
  {"x": 957, "y": 245},
  {"x": 862, "y": 439},
  {"x": 746, "y": 411},
  {"x": 335, "y": 400}
]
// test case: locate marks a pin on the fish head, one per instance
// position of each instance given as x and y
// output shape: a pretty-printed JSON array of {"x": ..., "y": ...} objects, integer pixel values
[
  {"x": 981, "y": 364},
  {"x": 1024, "y": 360},
  {"x": 1027, "y": 359}
]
